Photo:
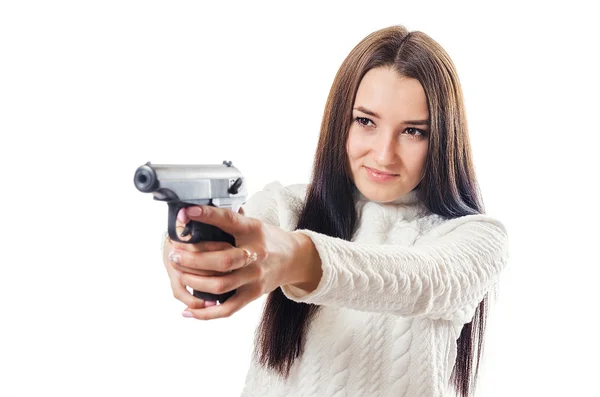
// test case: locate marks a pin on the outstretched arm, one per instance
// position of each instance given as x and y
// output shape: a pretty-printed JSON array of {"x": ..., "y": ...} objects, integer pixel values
[{"x": 444, "y": 275}]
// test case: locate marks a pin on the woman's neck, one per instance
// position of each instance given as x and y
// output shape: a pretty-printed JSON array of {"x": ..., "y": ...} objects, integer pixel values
[{"x": 410, "y": 198}]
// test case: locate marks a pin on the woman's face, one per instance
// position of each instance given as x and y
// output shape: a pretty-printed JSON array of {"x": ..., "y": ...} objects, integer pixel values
[{"x": 389, "y": 137}]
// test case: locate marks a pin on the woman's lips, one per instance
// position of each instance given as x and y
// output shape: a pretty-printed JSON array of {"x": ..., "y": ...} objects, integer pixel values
[{"x": 378, "y": 176}]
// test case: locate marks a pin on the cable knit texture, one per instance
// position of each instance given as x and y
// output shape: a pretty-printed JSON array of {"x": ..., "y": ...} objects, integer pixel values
[{"x": 394, "y": 299}]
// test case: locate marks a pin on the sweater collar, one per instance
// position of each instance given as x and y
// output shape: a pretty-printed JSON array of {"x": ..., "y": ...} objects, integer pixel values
[{"x": 410, "y": 198}]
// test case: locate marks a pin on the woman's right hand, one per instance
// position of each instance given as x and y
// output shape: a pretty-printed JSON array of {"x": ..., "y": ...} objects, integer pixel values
[{"x": 180, "y": 291}]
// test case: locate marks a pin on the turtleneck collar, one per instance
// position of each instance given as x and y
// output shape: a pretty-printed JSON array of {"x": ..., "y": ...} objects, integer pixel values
[{"x": 410, "y": 198}]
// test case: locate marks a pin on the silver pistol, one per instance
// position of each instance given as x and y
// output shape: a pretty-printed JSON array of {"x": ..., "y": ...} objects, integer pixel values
[{"x": 181, "y": 186}]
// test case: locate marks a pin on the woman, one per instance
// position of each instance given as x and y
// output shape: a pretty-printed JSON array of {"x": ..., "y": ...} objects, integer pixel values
[{"x": 377, "y": 271}]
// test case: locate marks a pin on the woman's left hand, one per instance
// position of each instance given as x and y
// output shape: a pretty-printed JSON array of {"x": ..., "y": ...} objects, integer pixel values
[{"x": 278, "y": 260}]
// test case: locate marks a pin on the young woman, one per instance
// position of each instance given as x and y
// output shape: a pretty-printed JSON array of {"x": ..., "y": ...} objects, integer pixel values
[{"x": 378, "y": 270}]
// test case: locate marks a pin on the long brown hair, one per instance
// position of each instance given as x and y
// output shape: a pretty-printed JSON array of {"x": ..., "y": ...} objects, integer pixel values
[{"x": 449, "y": 187}]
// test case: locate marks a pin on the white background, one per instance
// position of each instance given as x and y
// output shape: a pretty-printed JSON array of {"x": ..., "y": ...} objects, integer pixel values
[{"x": 91, "y": 90}]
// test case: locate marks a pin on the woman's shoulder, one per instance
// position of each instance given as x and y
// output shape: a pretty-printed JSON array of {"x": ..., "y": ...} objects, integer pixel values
[
  {"x": 442, "y": 225},
  {"x": 473, "y": 226}
]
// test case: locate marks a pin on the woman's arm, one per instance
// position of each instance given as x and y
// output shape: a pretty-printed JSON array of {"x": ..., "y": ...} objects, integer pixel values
[
  {"x": 444, "y": 275},
  {"x": 263, "y": 205}
]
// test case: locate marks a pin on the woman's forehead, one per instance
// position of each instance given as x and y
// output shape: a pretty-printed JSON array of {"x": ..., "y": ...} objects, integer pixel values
[{"x": 383, "y": 92}]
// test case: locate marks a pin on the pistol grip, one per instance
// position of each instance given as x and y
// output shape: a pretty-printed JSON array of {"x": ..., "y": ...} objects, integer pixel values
[{"x": 199, "y": 232}]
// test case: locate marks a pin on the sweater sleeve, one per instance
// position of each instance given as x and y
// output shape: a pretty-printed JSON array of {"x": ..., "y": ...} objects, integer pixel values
[
  {"x": 277, "y": 205},
  {"x": 263, "y": 205},
  {"x": 443, "y": 276}
]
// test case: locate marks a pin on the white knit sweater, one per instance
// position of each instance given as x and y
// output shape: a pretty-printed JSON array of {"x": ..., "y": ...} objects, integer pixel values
[{"x": 394, "y": 300}]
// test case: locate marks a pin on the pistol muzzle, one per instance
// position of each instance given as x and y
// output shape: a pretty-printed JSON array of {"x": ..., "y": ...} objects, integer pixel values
[{"x": 145, "y": 179}]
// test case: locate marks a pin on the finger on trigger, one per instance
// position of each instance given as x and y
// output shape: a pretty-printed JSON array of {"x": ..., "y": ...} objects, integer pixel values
[
  {"x": 182, "y": 216},
  {"x": 180, "y": 222},
  {"x": 179, "y": 231}
]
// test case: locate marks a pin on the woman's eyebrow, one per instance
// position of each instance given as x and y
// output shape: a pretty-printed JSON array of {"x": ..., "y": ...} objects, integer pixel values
[
  {"x": 367, "y": 111},
  {"x": 418, "y": 122},
  {"x": 373, "y": 114}
]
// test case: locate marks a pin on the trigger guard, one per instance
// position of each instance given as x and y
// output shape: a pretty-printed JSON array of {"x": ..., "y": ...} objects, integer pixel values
[{"x": 174, "y": 208}]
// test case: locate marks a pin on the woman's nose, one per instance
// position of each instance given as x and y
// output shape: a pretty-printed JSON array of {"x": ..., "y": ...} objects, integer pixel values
[{"x": 385, "y": 150}]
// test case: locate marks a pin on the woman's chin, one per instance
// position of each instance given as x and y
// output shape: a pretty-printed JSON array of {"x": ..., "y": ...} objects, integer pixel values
[{"x": 379, "y": 194}]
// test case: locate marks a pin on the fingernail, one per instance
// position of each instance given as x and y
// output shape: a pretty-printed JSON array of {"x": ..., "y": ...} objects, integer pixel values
[
  {"x": 209, "y": 303},
  {"x": 187, "y": 314},
  {"x": 194, "y": 211},
  {"x": 181, "y": 216},
  {"x": 175, "y": 257}
]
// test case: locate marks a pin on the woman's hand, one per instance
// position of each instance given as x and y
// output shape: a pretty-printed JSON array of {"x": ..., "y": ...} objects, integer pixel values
[
  {"x": 179, "y": 290},
  {"x": 281, "y": 258}
]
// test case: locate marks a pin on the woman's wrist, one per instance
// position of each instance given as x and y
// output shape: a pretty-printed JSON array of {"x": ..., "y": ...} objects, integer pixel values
[{"x": 305, "y": 272}]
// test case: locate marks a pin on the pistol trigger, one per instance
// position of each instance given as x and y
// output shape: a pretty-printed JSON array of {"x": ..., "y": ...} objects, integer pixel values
[{"x": 186, "y": 230}]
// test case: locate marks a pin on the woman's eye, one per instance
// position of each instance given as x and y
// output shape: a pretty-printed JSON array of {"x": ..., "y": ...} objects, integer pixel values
[
  {"x": 413, "y": 131},
  {"x": 363, "y": 121}
]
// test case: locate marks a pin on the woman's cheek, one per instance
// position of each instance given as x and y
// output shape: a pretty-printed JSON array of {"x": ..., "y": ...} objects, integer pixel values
[{"x": 356, "y": 147}]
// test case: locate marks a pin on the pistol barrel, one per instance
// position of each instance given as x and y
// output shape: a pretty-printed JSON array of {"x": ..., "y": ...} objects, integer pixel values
[{"x": 145, "y": 179}]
